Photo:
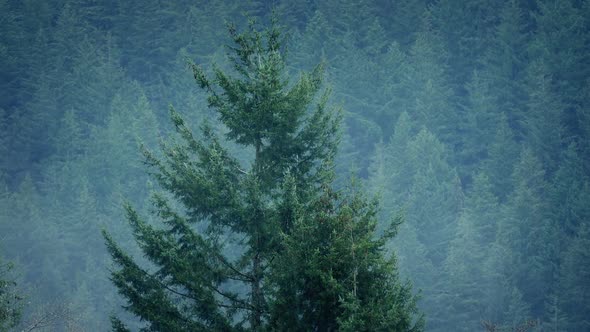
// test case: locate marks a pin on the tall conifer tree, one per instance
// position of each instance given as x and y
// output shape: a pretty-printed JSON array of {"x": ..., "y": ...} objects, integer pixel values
[{"x": 213, "y": 262}]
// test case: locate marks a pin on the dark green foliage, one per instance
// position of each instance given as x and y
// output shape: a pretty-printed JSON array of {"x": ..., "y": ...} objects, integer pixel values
[
  {"x": 262, "y": 112},
  {"x": 117, "y": 325},
  {"x": 332, "y": 273},
  {"x": 197, "y": 285}
]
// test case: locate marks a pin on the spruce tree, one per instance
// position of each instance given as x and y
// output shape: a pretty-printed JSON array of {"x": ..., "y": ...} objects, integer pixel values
[{"x": 219, "y": 259}]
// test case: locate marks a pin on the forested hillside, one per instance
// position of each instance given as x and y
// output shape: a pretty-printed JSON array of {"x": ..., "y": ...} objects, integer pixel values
[{"x": 472, "y": 118}]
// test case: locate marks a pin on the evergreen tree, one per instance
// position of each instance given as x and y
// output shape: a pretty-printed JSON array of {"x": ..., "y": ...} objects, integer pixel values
[
  {"x": 361, "y": 93},
  {"x": 543, "y": 125},
  {"x": 530, "y": 235},
  {"x": 480, "y": 124},
  {"x": 197, "y": 32},
  {"x": 433, "y": 203},
  {"x": 30, "y": 239},
  {"x": 470, "y": 274},
  {"x": 516, "y": 310},
  {"x": 427, "y": 83},
  {"x": 569, "y": 192},
  {"x": 415, "y": 265},
  {"x": 29, "y": 130},
  {"x": 68, "y": 142},
  {"x": 4, "y": 140},
  {"x": 504, "y": 64},
  {"x": 420, "y": 180},
  {"x": 10, "y": 42},
  {"x": 113, "y": 156},
  {"x": 395, "y": 63},
  {"x": 331, "y": 274},
  {"x": 396, "y": 152},
  {"x": 408, "y": 14},
  {"x": 95, "y": 77},
  {"x": 502, "y": 155},
  {"x": 22, "y": 222},
  {"x": 435, "y": 195},
  {"x": 296, "y": 14},
  {"x": 147, "y": 29},
  {"x": 556, "y": 319},
  {"x": 10, "y": 301},
  {"x": 215, "y": 257},
  {"x": 573, "y": 286},
  {"x": 465, "y": 36},
  {"x": 314, "y": 42},
  {"x": 560, "y": 43}
]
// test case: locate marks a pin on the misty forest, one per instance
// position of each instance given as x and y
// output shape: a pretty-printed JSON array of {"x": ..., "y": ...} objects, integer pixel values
[{"x": 385, "y": 165}]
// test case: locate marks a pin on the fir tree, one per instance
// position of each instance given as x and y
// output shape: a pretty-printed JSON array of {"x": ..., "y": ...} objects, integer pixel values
[{"x": 215, "y": 259}]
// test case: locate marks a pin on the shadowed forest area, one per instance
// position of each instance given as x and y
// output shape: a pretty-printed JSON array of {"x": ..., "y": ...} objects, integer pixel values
[{"x": 471, "y": 119}]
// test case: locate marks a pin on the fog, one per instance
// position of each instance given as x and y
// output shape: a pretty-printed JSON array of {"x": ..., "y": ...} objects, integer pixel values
[{"x": 469, "y": 118}]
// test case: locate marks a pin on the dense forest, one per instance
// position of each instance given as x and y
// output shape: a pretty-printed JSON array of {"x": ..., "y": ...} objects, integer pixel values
[{"x": 471, "y": 119}]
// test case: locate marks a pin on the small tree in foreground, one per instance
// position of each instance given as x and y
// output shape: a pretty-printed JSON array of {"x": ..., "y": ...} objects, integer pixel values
[
  {"x": 10, "y": 301},
  {"x": 266, "y": 246}
]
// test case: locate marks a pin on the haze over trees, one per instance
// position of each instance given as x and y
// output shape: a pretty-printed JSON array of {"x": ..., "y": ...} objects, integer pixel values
[{"x": 471, "y": 119}]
